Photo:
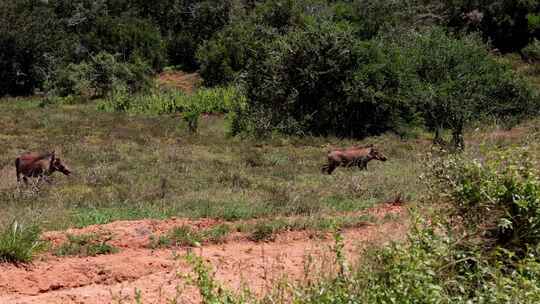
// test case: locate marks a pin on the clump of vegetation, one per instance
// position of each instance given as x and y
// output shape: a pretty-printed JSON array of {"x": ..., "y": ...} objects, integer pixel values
[
  {"x": 531, "y": 52},
  {"x": 20, "y": 243},
  {"x": 499, "y": 196},
  {"x": 213, "y": 100},
  {"x": 187, "y": 236},
  {"x": 488, "y": 252},
  {"x": 85, "y": 245},
  {"x": 178, "y": 236},
  {"x": 216, "y": 234},
  {"x": 99, "y": 76},
  {"x": 406, "y": 85},
  {"x": 265, "y": 231},
  {"x": 210, "y": 289}
]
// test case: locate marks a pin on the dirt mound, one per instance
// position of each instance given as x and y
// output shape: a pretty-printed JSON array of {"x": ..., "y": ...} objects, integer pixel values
[
  {"x": 159, "y": 275},
  {"x": 186, "y": 82}
]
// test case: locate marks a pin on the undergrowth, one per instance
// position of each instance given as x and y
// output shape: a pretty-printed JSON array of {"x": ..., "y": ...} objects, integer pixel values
[
  {"x": 478, "y": 246},
  {"x": 188, "y": 236},
  {"x": 165, "y": 101},
  {"x": 85, "y": 245},
  {"x": 20, "y": 243}
]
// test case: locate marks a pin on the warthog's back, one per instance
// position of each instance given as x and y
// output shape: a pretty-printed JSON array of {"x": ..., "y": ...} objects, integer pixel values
[{"x": 348, "y": 154}]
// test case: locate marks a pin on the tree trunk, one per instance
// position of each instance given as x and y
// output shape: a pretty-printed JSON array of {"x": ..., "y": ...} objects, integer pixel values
[
  {"x": 438, "y": 140},
  {"x": 457, "y": 138}
]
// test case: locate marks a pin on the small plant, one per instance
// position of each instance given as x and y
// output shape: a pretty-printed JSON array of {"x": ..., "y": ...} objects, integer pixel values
[
  {"x": 204, "y": 280},
  {"x": 531, "y": 52},
  {"x": 264, "y": 231},
  {"x": 217, "y": 233},
  {"x": 192, "y": 120},
  {"x": 187, "y": 236},
  {"x": 85, "y": 245},
  {"x": 178, "y": 236},
  {"x": 19, "y": 243}
]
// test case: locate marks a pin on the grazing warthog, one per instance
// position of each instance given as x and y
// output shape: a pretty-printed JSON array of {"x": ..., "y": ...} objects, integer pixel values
[
  {"x": 353, "y": 156},
  {"x": 39, "y": 165}
]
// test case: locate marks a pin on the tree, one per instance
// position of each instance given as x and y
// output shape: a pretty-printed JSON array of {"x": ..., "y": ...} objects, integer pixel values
[{"x": 459, "y": 83}]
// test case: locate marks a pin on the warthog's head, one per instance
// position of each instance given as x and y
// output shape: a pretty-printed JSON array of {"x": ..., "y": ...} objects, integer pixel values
[
  {"x": 57, "y": 165},
  {"x": 376, "y": 154}
]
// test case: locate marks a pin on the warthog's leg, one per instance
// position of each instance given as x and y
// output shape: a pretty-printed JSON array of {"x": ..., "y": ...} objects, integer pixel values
[
  {"x": 47, "y": 179},
  {"x": 331, "y": 168}
]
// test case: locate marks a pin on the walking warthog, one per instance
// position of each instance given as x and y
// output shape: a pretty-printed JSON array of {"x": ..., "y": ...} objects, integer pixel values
[
  {"x": 39, "y": 165},
  {"x": 354, "y": 156}
]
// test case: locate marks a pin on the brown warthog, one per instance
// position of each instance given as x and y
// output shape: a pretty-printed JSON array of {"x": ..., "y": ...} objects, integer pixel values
[
  {"x": 39, "y": 165},
  {"x": 353, "y": 156}
]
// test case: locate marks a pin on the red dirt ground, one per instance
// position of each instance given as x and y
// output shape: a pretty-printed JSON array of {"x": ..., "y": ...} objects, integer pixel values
[
  {"x": 159, "y": 275},
  {"x": 186, "y": 82}
]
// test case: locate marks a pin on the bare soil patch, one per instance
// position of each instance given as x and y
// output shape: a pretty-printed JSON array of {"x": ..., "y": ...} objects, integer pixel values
[
  {"x": 186, "y": 82},
  {"x": 159, "y": 275}
]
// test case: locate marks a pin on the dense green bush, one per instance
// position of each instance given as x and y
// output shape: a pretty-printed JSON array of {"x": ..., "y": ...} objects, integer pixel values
[
  {"x": 188, "y": 31},
  {"x": 98, "y": 76},
  {"x": 372, "y": 18},
  {"x": 127, "y": 37},
  {"x": 434, "y": 267},
  {"x": 459, "y": 82},
  {"x": 31, "y": 43},
  {"x": 501, "y": 195},
  {"x": 228, "y": 53},
  {"x": 319, "y": 80}
]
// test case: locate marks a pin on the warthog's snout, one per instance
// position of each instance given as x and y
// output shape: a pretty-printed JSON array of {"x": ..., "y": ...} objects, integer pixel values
[
  {"x": 58, "y": 165},
  {"x": 378, "y": 155}
]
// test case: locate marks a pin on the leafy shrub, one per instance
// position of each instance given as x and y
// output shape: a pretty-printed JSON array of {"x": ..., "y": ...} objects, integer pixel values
[
  {"x": 531, "y": 52},
  {"x": 372, "y": 18},
  {"x": 435, "y": 268},
  {"x": 19, "y": 243},
  {"x": 501, "y": 194},
  {"x": 188, "y": 31},
  {"x": 192, "y": 120},
  {"x": 458, "y": 82},
  {"x": 74, "y": 79},
  {"x": 99, "y": 76},
  {"x": 85, "y": 245},
  {"x": 223, "y": 57},
  {"x": 318, "y": 80},
  {"x": 32, "y": 42},
  {"x": 127, "y": 37}
]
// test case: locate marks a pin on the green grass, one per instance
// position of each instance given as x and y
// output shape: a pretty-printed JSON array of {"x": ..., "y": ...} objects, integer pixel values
[
  {"x": 203, "y": 100},
  {"x": 20, "y": 243},
  {"x": 190, "y": 237},
  {"x": 133, "y": 167},
  {"x": 85, "y": 245},
  {"x": 267, "y": 230},
  {"x": 178, "y": 236}
]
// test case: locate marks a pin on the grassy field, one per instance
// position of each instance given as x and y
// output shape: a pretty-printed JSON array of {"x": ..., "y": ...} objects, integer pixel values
[{"x": 131, "y": 167}]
